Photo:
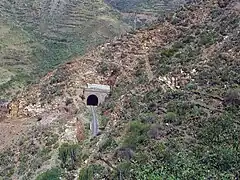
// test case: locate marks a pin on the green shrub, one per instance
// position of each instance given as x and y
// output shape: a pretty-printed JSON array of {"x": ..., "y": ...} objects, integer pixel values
[
  {"x": 142, "y": 78},
  {"x": 91, "y": 171},
  {"x": 137, "y": 134},
  {"x": 125, "y": 153},
  {"x": 207, "y": 38},
  {"x": 59, "y": 76},
  {"x": 180, "y": 108},
  {"x": 123, "y": 170},
  {"x": 148, "y": 118},
  {"x": 108, "y": 105},
  {"x": 102, "y": 68},
  {"x": 52, "y": 174},
  {"x": 178, "y": 45},
  {"x": 103, "y": 121},
  {"x": 188, "y": 39},
  {"x": 86, "y": 174},
  {"x": 170, "y": 117},
  {"x": 232, "y": 97},
  {"x": 220, "y": 130},
  {"x": 45, "y": 153},
  {"x": 51, "y": 140},
  {"x": 191, "y": 86},
  {"x": 169, "y": 52},
  {"x": 147, "y": 171},
  {"x": 107, "y": 144},
  {"x": 68, "y": 154}
]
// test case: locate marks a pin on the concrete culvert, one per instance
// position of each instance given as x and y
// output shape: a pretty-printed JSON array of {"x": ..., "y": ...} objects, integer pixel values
[{"x": 92, "y": 100}]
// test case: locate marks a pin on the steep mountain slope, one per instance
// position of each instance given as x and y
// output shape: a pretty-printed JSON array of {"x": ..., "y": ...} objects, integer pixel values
[
  {"x": 16, "y": 62},
  {"x": 152, "y": 6},
  {"x": 173, "y": 112},
  {"x": 39, "y": 35},
  {"x": 140, "y": 13},
  {"x": 47, "y": 33}
]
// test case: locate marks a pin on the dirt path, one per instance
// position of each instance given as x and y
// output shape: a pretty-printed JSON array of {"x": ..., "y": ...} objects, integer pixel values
[
  {"x": 10, "y": 129},
  {"x": 149, "y": 70}
]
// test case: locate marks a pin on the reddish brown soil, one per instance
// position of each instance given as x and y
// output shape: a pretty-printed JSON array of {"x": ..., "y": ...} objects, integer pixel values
[{"x": 10, "y": 129}]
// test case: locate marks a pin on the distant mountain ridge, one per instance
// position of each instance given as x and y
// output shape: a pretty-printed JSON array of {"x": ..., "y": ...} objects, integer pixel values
[
  {"x": 145, "y": 6},
  {"x": 36, "y": 36}
]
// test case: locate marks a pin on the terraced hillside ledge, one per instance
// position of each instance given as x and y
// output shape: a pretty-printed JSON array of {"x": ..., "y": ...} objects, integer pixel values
[
  {"x": 140, "y": 13},
  {"x": 16, "y": 58},
  {"x": 37, "y": 36},
  {"x": 44, "y": 34}
]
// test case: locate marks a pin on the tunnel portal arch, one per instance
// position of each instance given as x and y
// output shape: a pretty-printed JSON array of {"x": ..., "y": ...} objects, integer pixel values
[
  {"x": 92, "y": 100},
  {"x": 95, "y": 94}
]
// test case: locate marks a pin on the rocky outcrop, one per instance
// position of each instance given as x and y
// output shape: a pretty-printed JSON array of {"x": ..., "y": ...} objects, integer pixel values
[
  {"x": 4, "y": 109},
  {"x": 223, "y": 3},
  {"x": 80, "y": 130}
]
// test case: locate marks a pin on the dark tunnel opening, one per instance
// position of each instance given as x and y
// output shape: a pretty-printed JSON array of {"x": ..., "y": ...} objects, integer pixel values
[{"x": 92, "y": 100}]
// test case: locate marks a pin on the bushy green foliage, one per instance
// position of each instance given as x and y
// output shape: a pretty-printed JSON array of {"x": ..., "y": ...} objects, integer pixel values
[
  {"x": 214, "y": 153},
  {"x": 52, "y": 174},
  {"x": 175, "y": 163},
  {"x": 107, "y": 144},
  {"x": 221, "y": 130},
  {"x": 45, "y": 153},
  {"x": 207, "y": 38},
  {"x": 124, "y": 169},
  {"x": 137, "y": 134},
  {"x": 86, "y": 174},
  {"x": 191, "y": 86},
  {"x": 103, "y": 121},
  {"x": 170, "y": 117},
  {"x": 69, "y": 155},
  {"x": 232, "y": 97},
  {"x": 102, "y": 68},
  {"x": 90, "y": 172},
  {"x": 150, "y": 118},
  {"x": 169, "y": 52}
]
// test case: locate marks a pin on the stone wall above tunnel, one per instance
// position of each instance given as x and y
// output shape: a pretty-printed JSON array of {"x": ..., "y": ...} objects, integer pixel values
[{"x": 95, "y": 94}]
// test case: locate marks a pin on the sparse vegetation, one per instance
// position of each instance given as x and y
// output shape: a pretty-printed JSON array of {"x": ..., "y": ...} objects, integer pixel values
[
  {"x": 34, "y": 44},
  {"x": 53, "y": 174},
  {"x": 107, "y": 144},
  {"x": 170, "y": 117},
  {"x": 69, "y": 155},
  {"x": 137, "y": 134},
  {"x": 91, "y": 172},
  {"x": 207, "y": 38},
  {"x": 192, "y": 131}
]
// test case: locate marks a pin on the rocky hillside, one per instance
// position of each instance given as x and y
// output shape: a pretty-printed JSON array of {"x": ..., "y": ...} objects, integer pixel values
[
  {"x": 140, "y": 13},
  {"x": 151, "y": 6},
  {"x": 36, "y": 36},
  {"x": 173, "y": 112}
]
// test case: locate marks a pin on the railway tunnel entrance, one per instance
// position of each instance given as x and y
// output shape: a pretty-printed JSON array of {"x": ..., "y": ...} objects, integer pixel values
[
  {"x": 92, "y": 100},
  {"x": 95, "y": 94}
]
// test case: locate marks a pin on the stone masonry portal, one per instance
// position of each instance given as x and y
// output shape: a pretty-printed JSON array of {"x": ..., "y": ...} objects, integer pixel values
[{"x": 95, "y": 94}]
